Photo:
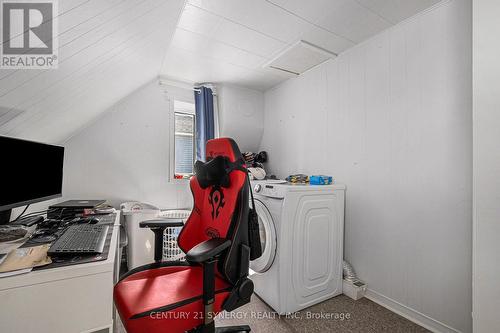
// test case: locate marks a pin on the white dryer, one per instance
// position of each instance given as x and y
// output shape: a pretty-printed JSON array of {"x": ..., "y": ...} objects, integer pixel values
[{"x": 302, "y": 232}]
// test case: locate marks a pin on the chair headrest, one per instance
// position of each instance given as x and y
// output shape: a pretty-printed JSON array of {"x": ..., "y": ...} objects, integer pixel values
[
  {"x": 223, "y": 156},
  {"x": 223, "y": 147},
  {"x": 212, "y": 173}
]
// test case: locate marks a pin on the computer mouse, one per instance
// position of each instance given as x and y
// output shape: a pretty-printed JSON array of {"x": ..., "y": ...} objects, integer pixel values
[{"x": 93, "y": 220}]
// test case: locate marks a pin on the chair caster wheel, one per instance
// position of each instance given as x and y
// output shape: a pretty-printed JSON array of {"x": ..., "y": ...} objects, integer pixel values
[{"x": 233, "y": 329}]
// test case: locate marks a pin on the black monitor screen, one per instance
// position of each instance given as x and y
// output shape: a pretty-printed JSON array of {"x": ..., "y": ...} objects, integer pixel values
[{"x": 30, "y": 172}]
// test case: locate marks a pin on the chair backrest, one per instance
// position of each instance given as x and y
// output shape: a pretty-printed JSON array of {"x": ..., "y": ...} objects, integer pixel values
[{"x": 220, "y": 211}]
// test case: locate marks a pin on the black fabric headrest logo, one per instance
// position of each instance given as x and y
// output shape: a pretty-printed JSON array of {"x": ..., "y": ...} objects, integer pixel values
[{"x": 216, "y": 200}]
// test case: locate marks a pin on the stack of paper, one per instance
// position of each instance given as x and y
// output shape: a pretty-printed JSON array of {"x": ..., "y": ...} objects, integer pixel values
[{"x": 22, "y": 260}]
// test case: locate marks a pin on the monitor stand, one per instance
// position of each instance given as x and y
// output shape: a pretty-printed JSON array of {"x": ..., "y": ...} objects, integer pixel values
[{"x": 5, "y": 216}]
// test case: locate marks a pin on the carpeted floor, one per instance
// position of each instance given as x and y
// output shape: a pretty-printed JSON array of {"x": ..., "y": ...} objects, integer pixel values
[{"x": 339, "y": 314}]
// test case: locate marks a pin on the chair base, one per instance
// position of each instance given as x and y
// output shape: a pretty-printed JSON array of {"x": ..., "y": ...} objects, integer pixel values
[{"x": 233, "y": 329}]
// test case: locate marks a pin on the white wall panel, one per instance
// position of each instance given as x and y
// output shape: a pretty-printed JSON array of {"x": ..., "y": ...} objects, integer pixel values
[
  {"x": 241, "y": 116},
  {"x": 124, "y": 155},
  {"x": 486, "y": 53},
  {"x": 391, "y": 118}
]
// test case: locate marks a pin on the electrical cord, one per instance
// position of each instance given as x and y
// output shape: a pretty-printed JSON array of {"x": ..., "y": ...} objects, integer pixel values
[
  {"x": 24, "y": 211},
  {"x": 40, "y": 212},
  {"x": 61, "y": 213}
]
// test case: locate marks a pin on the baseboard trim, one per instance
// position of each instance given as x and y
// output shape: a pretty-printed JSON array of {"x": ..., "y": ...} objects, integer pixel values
[{"x": 409, "y": 313}]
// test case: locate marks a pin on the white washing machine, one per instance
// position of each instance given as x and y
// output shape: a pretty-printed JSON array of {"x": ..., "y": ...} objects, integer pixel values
[{"x": 302, "y": 233}]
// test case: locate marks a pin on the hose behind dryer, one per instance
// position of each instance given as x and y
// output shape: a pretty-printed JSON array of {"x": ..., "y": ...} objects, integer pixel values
[{"x": 349, "y": 273}]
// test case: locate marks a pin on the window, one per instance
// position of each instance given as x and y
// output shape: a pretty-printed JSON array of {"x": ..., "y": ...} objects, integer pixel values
[{"x": 184, "y": 139}]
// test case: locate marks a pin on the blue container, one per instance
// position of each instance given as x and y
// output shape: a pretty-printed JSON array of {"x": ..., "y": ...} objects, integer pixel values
[{"x": 320, "y": 180}]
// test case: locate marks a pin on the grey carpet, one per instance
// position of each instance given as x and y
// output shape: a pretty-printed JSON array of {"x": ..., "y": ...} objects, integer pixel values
[{"x": 346, "y": 315}]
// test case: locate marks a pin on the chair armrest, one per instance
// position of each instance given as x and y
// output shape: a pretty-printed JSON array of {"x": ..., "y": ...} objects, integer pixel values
[
  {"x": 161, "y": 223},
  {"x": 207, "y": 250},
  {"x": 158, "y": 227}
]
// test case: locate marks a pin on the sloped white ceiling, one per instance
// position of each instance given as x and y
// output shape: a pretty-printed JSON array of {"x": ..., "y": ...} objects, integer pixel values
[
  {"x": 107, "y": 48},
  {"x": 230, "y": 40}
]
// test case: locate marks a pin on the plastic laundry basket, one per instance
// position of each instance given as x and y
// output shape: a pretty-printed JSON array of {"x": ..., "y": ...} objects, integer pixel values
[
  {"x": 171, "y": 250},
  {"x": 140, "y": 248}
]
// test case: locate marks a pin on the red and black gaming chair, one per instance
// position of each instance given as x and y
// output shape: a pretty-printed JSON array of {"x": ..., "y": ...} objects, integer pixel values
[{"x": 186, "y": 296}]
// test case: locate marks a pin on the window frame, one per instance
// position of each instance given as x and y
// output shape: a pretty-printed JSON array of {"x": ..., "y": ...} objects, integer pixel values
[
  {"x": 185, "y": 113},
  {"x": 186, "y": 97}
]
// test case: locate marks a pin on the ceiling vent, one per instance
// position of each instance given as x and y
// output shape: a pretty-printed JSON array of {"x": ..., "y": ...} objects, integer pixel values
[{"x": 299, "y": 57}]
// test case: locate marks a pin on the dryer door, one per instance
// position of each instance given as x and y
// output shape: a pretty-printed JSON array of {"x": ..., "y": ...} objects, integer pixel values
[{"x": 267, "y": 239}]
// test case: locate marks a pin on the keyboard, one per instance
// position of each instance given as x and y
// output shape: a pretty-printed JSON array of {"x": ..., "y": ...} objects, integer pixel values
[{"x": 80, "y": 240}]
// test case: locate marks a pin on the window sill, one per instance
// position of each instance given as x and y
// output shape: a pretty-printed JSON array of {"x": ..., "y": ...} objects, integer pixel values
[{"x": 177, "y": 179}]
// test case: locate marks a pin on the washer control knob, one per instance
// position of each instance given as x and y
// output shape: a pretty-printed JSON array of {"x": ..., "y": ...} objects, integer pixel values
[{"x": 257, "y": 188}]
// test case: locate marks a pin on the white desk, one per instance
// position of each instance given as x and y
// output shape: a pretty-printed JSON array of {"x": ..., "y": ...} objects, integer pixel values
[{"x": 70, "y": 299}]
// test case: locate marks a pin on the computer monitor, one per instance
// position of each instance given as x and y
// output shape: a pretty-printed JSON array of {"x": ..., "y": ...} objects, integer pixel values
[{"x": 30, "y": 172}]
